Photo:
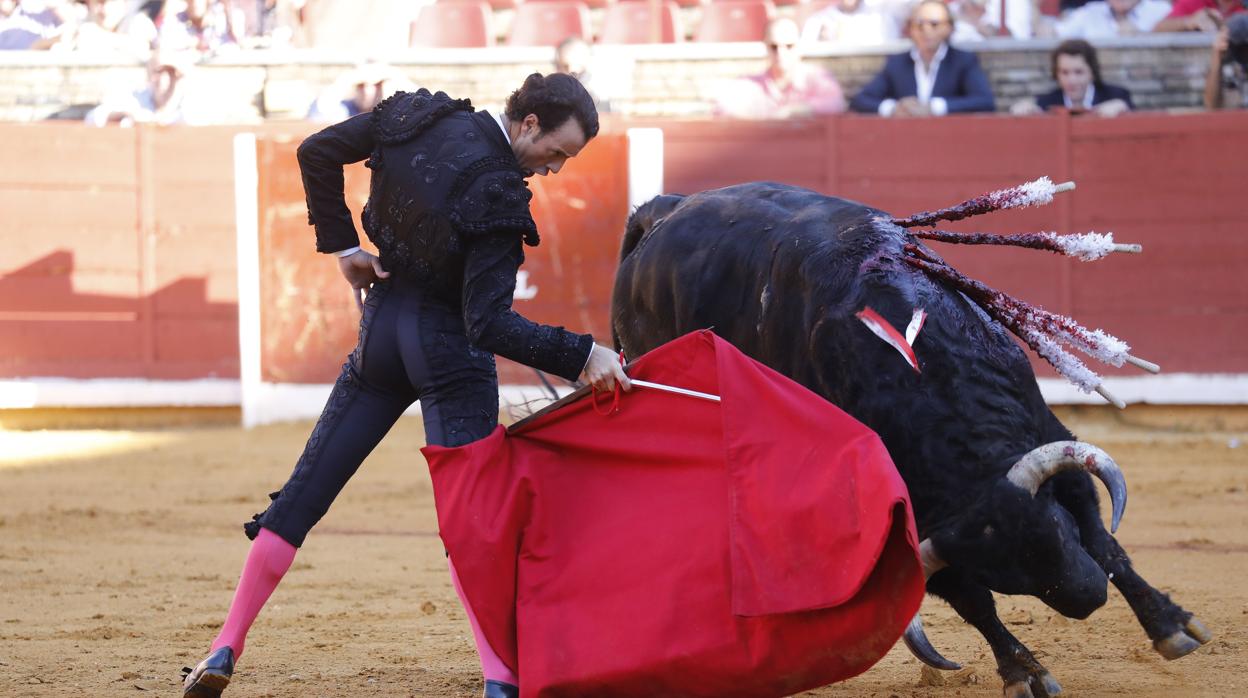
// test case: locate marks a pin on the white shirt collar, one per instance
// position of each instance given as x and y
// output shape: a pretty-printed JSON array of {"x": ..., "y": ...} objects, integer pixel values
[
  {"x": 498, "y": 119},
  {"x": 1087, "y": 98},
  {"x": 940, "y": 55},
  {"x": 924, "y": 77}
]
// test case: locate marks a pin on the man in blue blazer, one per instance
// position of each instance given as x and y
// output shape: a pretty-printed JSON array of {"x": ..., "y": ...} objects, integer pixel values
[{"x": 933, "y": 79}]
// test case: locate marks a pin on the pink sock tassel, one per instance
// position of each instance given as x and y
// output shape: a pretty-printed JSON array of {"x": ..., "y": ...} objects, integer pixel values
[
  {"x": 267, "y": 562},
  {"x": 491, "y": 666}
]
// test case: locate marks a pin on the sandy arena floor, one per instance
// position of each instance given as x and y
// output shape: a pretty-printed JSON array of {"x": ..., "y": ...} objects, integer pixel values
[{"x": 119, "y": 550}]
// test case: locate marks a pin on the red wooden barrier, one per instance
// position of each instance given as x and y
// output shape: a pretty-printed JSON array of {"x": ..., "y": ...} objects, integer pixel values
[
  {"x": 117, "y": 246},
  {"x": 118, "y": 253}
]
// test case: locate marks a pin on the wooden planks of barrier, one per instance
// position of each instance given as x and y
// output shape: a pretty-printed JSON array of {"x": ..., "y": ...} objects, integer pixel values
[{"x": 118, "y": 243}]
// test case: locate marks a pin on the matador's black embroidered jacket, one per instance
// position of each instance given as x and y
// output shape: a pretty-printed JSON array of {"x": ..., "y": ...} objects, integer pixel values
[{"x": 448, "y": 208}]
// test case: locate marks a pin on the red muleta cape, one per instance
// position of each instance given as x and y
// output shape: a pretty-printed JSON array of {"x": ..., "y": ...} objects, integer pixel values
[{"x": 760, "y": 546}]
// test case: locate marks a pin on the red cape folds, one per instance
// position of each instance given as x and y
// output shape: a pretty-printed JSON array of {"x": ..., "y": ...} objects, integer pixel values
[{"x": 760, "y": 546}]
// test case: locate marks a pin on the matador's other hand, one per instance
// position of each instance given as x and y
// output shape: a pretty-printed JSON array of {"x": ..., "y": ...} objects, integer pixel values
[
  {"x": 603, "y": 370},
  {"x": 361, "y": 270}
]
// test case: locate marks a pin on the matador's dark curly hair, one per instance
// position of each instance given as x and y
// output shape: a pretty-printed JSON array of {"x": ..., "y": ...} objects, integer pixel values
[{"x": 554, "y": 99}]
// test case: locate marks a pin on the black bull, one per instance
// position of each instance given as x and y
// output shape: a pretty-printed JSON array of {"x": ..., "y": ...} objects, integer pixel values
[{"x": 780, "y": 272}]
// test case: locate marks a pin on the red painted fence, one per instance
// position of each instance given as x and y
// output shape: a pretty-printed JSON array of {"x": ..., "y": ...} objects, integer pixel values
[{"x": 117, "y": 247}]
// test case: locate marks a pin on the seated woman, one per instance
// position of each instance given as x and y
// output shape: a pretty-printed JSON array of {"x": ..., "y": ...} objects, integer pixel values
[{"x": 1080, "y": 88}]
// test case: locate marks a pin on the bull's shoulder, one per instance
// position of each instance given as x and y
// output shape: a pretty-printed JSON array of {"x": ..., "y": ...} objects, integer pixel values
[{"x": 775, "y": 202}]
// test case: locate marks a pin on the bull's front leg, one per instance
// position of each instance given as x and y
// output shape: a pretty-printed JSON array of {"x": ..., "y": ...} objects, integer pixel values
[
  {"x": 1174, "y": 631},
  {"x": 1024, "y": 676}
]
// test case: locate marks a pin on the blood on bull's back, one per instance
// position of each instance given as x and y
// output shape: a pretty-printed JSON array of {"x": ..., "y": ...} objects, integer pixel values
[{"x": 781, "y": 272}]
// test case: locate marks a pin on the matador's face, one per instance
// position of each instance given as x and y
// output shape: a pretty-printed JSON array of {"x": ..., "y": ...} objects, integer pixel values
[{"x": 545, "y": 152}]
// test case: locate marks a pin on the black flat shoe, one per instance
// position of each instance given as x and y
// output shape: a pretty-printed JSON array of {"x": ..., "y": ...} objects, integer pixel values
[
  {"x": 210, "y": 677},
  {"x": 498, "y": 689}
]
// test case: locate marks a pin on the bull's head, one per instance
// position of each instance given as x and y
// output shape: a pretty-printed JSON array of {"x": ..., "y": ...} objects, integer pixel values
[{"x": 1016, "y": 539}]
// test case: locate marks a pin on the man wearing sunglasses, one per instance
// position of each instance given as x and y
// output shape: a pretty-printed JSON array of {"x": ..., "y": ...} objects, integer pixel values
[{"x": 933, "y": 78}]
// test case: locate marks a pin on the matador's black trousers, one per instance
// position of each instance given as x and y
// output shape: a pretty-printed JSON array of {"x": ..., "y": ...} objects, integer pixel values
[{"x": 411, "y": 347}]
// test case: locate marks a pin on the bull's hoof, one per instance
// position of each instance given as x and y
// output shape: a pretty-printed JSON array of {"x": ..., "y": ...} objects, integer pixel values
[
  {"x": 1051, "y": 686},
  {"x": 1041, "y": 685},
  {"x": 1184, "y": 642},
  {"x": 1198, "y": 630}
]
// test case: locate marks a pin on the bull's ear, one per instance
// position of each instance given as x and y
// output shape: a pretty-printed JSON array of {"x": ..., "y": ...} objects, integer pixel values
[
  {"x": 649, "y": 213},
  {"x": 645, "y": 218}
]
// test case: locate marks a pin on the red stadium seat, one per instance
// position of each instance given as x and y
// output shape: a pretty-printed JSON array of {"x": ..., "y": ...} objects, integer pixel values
[
  {"x": 690, "y": 3},
  {"x": 734, "y": 20},
  {"x": 636, "y": 22},
  {"x": 495, "y": 4},
  {"x": 591, "y": 4},
  {"x": 456, "y": 24},
  {"x": 548, "y": 22}
]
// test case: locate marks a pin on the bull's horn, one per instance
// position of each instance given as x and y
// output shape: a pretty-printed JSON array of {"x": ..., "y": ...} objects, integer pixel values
[
  {"x": 914, "y": 637},
  {"x": 1046, "y": 461},
  {"x": 918, "y": 644},
  {"x": 929, "y": 559}
]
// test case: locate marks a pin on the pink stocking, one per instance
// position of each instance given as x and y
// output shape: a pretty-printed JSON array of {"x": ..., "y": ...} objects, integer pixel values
[
  {"x": 267, "y": 562},
  {"x": 491, "y": 666}
]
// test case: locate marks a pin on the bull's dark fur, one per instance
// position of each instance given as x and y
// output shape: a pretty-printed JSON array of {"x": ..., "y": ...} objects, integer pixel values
[{"x": 780, "y": 272}]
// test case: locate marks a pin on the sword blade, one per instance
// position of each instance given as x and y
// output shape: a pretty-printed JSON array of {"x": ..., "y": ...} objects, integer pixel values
[{"x": 674, "y": 389}]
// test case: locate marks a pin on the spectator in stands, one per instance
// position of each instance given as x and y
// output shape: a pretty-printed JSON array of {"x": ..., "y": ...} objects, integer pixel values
[
  {"x": 1103, "y": 19},
  {"x": 933, "y": 78},
  {"x": 852, "y": 23},
  {"x": 36, "y": 25},
  {"x": 110, "y": 26},
  {"x": 574, "y": 57},
  {"x": 1080, "y": 87},
  {"x": 788, "y": 87},
  {"x": 158, "y": 102},
  {"x": 976, "y": 20},
  {"x": 358, "y": 91},
  {"x": 1199, "y": 15},
  {"x": 140, "y": 21},
  {"x": 1226, "y": 85},
  {"x": 205, "y": 26},
  {"x": 275, "y": 23}
]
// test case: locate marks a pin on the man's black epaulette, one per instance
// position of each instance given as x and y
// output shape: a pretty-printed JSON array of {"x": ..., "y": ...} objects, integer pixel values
[
  {"x": 404, "y": 115},
  {"x": 492, "y": 196}
]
